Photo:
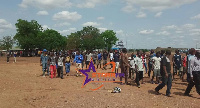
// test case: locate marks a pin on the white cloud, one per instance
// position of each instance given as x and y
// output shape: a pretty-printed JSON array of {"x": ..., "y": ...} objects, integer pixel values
[
  {"x": 194, "y": 32},
  {"x": 158, "y": 14},
  {"x": 163, "y": 33},
  {"x": 188, "y": 26},
  {"x": 91, "y": 3},
  {"x": 178, "y": 32},
  {"x": 45, "y": 27},
  {"x": 171, "y": 27},
  {"x": 100, "y": 18},
  {"x": 62, "y": 24},
  {"x": 120, "y": 33},
  {"x": 128, "y": 8},
  {"x": 42, "y": 13},
  {"x": 67, "y": 16},
  {"x": 141, "y": 15},
  {"x": 4, "y": 25},
  {"x": 91, "y": 24},
  {"x": 157, "y": 5},
  {"x": 103, "y": 29},
  {"x": 45, "y": 4},
  {"x": 68, "y": 31},
  {"x": 146, "y": 32},
  {"x": 196, "y": 17}
]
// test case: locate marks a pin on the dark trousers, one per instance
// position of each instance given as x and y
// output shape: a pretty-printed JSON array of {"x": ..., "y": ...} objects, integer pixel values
[
  {"x": 165, "y": 81},
  {"x": 139, "y": 76},
  {"x": 150, "y": 68},
  {"x": 124, "y": 70},
  {"x": 195, "y": 82},
  {"x": 60, "y": 71},
  {"x": 131, "y": 71},
  {"x": 8, "y": 59}
]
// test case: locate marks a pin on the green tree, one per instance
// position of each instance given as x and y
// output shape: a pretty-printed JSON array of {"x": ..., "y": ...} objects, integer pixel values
[
  {"x": 73, "y": 41},
  {"x": 27, "y": 34},
  {"x": 51, "y": 40},
  {"x": 110, "y": 38},
  {"x": 7, "y": 42}
]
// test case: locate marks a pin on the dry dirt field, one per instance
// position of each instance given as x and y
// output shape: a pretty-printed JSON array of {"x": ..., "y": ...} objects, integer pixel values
[{"x": 22, "y": 86}]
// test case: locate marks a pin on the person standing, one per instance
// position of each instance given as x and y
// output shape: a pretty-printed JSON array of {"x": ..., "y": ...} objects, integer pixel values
[
  {"x": 67, "y": 64},
  {"x": 116, "y": 60},
  {"x": 184, "y": 59},
  {"x": 144, "y": 56},
  {"x": 156, "y": 68},
  {"x": 105, "y": 56},
  {"x": 132, "y": 67},
  {"x": 60, "y": 61},
  {"x": 189, "y": 57},
  {"x": 78, "y": 60},
  {"x": 52, "y": 62},
  {"x": 139, "y": 68},
  {"x": 8, "y": 57},
  {"x": 166, "y": 75},
  {"x": 150, "y": 64},
  {"x": 15, "y": 55},
  {"x": 94, "y": 57},
  {"x": 177, "y": 63},
  {"x": 124, "y": 65},
  {"x": 99, "y": 58},
  {"x": 44, "y": 62},
  {"x": 88, "y": 58},
  {"x": 111, "y": 58},
  {"x": 194, "y": 74}
]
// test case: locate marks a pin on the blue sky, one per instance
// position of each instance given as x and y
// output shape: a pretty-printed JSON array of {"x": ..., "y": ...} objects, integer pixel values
[{"x": 140, "y": 23}]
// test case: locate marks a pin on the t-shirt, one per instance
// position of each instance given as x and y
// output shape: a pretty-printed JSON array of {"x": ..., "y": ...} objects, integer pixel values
[
  {"x": 88, "y": 57},
  {"x": 52, "y": 60},
  {"x": 194, "y": 65},
  {"x": 94, "y": 56},
  {"x": 44, "y": 58},
  {"x": 116, "y": 57},
  {"x": 151, "y": 59},
  {"x": 111, "y": 56},
  {"x": 165, "y": 62},
  {"x": 177, "y": 60},
  {"x": 105, "y": 55},
  {"x": 156, "y": 62},
  {"x": 184, "y": 61},
  {"x": 189, "y": 57},
  {"x": 132, "y": 64},
  {"x": 99, "y": 56},
  {"x": 139, "y": 63},
  {"x": 60, "y": 61}
]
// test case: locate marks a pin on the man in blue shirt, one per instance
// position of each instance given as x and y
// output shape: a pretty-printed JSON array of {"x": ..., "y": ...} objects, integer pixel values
[
  {"x": 78, "y": 60},
  {"x": 43, "y": 62}
]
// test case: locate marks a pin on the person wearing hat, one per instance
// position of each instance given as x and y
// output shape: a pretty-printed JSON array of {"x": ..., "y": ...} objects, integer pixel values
[{"x": 43, "y": 62}]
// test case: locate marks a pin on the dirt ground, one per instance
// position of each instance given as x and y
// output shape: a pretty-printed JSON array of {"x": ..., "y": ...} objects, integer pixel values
[{"x": 22, "y": 86}]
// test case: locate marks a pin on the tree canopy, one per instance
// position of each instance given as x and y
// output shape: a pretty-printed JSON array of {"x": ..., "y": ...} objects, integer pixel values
[{"x": 30, "y": 35}]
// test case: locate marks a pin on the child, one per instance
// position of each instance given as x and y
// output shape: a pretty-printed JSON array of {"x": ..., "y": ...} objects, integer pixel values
[
  {"x": 60, "y": 61},
  {"x": 132, "y": 67},
  {"x": 67, "y": 64},
  {"x": 44, "y": 61},
  {"x": 52, "y": 61},
  {"x": 78, "y": 59}
]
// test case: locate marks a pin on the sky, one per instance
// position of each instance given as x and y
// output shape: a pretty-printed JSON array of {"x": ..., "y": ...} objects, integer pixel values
[{"x": 145, "y": 24}]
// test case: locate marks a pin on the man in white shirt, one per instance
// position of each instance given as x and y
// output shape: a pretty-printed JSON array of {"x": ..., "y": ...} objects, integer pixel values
[
  {"x": 139, "y": 68},
  {"x": 111, "y": 58},
  {"x": 194, "y": 73},
  {"x": 156, "y": 67}
]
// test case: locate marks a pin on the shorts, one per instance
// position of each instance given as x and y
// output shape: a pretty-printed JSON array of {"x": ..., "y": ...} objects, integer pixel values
[
  {"x": 98, "y": 62},
  {"x": 156, "y": 72},
  {"x": 79, "y": 65},
  {"x": 116, "y": 65}
]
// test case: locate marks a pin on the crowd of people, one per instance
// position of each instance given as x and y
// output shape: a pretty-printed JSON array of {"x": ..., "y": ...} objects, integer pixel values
[{"x": 158, "y": 62}]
